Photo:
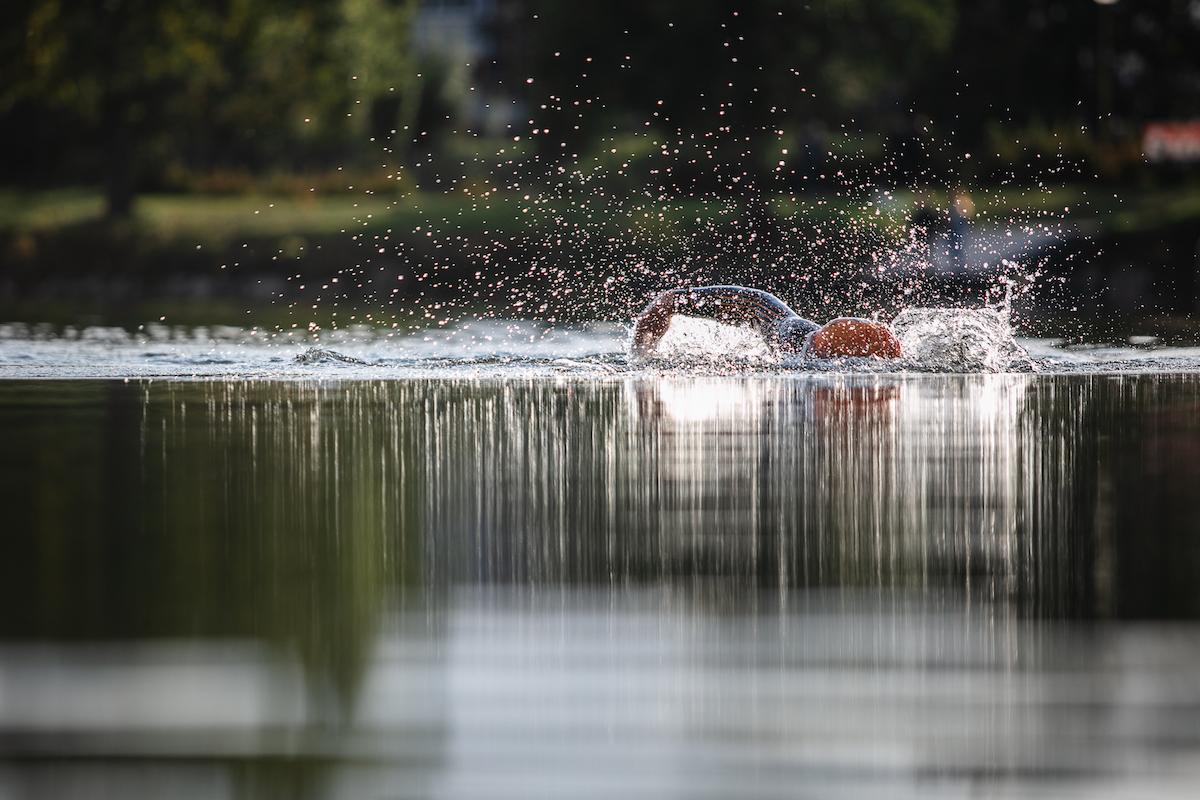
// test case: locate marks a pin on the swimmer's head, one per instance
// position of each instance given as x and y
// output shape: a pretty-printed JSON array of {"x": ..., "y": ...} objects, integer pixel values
[{"x": 848, "y": 337}]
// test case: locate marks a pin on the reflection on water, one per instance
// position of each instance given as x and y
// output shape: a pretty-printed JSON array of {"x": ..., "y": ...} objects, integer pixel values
[{"x": 825, "y": 585}]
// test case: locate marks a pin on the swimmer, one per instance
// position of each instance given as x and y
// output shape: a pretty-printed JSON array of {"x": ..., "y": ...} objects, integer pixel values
[{"x": 785, "y": 332}]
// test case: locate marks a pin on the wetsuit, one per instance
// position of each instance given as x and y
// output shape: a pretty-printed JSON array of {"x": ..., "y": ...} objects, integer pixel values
[{"x": 782, "y": 329}]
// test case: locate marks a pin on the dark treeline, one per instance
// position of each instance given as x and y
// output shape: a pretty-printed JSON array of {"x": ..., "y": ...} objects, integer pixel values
[
  {"x": 147, "y": 94},
  {"x": 125, "y": 92}
]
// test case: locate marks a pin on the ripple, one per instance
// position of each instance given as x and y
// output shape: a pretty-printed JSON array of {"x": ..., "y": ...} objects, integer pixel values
[
  {"x": 319, "y": 355},
  {"x": 935, "y": 341}
]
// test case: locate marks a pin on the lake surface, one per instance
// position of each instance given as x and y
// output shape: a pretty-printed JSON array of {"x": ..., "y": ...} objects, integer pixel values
[
  {"x": 483, "y": 349},
  {"x": 541, "y": 579}
]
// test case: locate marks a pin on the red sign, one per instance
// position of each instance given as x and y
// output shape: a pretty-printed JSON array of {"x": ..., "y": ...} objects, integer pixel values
[{"x": 1172, "y": 141}]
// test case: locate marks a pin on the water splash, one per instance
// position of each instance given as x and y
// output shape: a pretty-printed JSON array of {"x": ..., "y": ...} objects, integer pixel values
[
  {"x": 549, "y": 225},
  {"x": 933, "y": 340},
  {"x": 319, "y": 355},
  {"x": 940, "y": 340},
  {"x": 691, "y": 339},
  {"x": 960, "y": 340}
]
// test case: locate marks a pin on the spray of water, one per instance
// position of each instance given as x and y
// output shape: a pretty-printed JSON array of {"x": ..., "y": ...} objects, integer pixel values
[
  {"x": 541, "y": 225},
  {"x": 960, "y": 340}
]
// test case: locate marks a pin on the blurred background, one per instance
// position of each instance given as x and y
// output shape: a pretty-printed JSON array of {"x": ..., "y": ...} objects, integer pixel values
[
  {"x": 190, "y": 159},
  {"x": 547, "y": 575}
]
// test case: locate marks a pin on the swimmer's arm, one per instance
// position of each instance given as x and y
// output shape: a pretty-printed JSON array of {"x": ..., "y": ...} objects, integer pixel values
[
  {"x": 731, "y": 305},
  {"x": 652, "y": 323}
]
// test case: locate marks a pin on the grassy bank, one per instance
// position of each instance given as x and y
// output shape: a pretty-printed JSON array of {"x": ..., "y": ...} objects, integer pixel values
[
  {"x": 216, "y": 218},
  {"x": 211, "y": 257}
]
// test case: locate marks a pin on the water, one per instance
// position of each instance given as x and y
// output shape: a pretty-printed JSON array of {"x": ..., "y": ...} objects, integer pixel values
[
  {"x": 435, "y": 588},
  {"x": 936, "y": 340},
  {"x": 455, "y": 568}
]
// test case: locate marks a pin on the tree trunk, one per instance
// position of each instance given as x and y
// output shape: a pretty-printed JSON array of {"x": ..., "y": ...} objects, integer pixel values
[
  {"x": 120, "y": 179},
  {"x": 118, "y": 200},
  {"x": 119, "y": 183}
]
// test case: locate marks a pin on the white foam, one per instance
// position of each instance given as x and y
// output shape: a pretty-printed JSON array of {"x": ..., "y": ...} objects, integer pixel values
[
  {"x": 935, "y": 340},
  {"x": 696, "y": 339},
  {"x": 960, "y": 340}
]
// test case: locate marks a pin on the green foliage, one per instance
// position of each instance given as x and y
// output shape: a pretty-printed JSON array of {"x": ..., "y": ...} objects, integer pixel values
[
  {"x": 373, "y": 44},
  {"x": 134, "y": 93},
  {"x": 146, "y": 83}
]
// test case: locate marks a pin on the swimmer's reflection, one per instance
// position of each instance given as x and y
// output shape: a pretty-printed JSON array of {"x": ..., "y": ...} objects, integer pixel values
[
  {"x": 783, "y": 482},
  {"x": 702, "y": 400},
  {"x": 278, "y": 527}
]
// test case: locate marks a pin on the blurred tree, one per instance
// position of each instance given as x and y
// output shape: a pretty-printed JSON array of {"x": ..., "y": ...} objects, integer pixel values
[
  {"x": 881, "y": 66},
  {"x": 124, "y": 68},
  {"x": 769, "y": 62},
  {"x": 373, "y": 42},
  {"x": 126, "y": 91},
  {"x": 1061, "y": 65},
  {"x": 146, "y": 82}
]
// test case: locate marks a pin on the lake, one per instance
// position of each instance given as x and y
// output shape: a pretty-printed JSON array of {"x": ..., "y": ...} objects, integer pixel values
[
  {"x": 369, "y": 429},
  {"x": 637, "y": 585}
]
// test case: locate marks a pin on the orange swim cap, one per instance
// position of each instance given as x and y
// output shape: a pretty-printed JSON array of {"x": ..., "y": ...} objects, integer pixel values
[{"x": 851, "y": 337}]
